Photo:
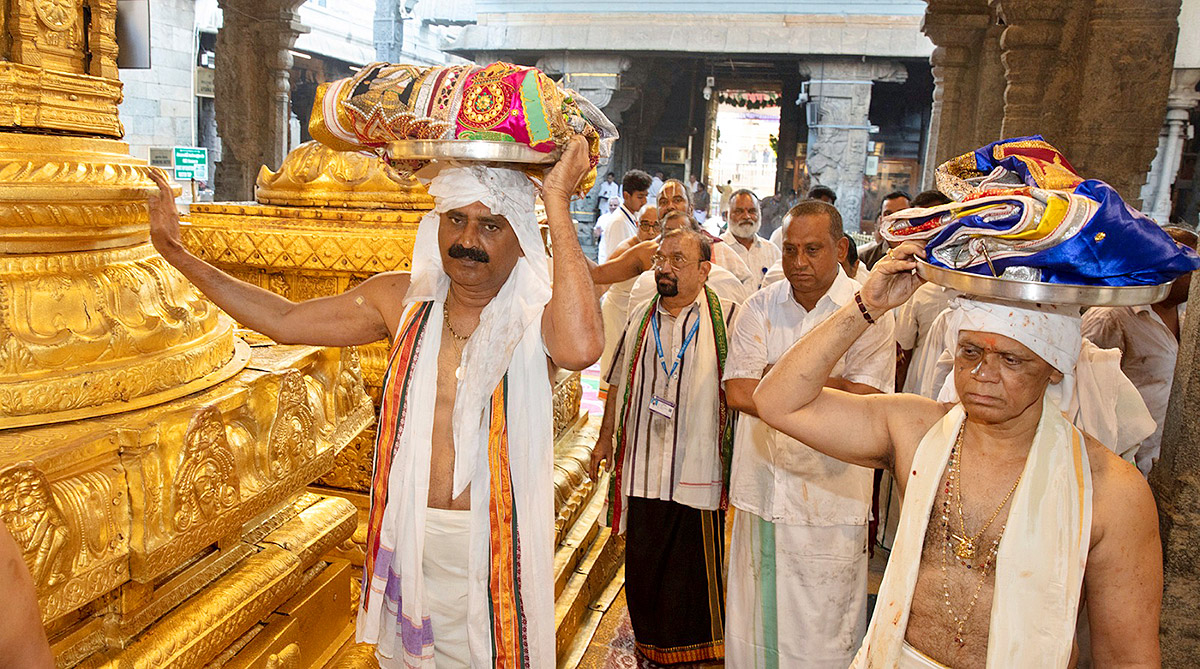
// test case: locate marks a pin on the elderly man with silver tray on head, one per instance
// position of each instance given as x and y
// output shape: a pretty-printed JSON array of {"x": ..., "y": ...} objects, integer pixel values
[{"x": 1014, "y": 510}]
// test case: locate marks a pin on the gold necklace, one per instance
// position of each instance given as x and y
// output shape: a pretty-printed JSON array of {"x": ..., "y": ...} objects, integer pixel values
[
  {"x": 966, "y": 547},
  {"x": 456, "y": 340}
]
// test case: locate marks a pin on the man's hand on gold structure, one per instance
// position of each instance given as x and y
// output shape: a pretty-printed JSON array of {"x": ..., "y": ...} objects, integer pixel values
[
  {"x": 164, "y": 217},
  {"x": 601, "y": 454},
  {"x": 893, "y": 279},
  {"x": 564, "y": 178}
]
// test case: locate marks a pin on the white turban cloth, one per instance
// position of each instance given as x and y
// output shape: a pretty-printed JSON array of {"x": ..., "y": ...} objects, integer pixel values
[
  {"x": 505, "y": 320},
  {"x": 1094, "y": 393}
]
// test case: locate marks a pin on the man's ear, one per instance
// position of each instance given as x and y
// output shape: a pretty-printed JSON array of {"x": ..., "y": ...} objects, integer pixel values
[
  {"x": 1055, "y": 376},
  {"x": 705, "y": 268},
  {"x": 843, "y": 248}
]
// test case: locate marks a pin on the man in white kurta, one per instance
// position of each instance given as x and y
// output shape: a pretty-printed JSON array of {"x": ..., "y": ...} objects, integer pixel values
[
  {"x": 798, "y": 558},
  {"x": 742, "y": 236},
  {"x": 914, "y": 322}
]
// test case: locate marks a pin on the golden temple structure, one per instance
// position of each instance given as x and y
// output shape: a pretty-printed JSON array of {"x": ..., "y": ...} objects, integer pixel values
[{"x": 186, "y": 493}]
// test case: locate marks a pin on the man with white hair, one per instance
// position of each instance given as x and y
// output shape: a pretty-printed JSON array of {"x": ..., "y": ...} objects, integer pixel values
[
  {"x": 1010, "y": 515},
  {"x": 742, "y": 236},
  {"x": 459, "y": 557}
]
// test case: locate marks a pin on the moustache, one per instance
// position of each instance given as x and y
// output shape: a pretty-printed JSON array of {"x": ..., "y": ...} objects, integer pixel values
[{"x": 461, "y": 252}]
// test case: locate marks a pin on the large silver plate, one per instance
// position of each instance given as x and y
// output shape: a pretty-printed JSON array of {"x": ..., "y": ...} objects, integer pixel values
[
  {"x": 473, "y": 150},
  {"x": 1035, "y": 291}
]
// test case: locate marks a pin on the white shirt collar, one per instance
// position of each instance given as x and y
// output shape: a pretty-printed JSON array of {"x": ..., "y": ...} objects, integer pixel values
[{"x": 840, "y": 292}]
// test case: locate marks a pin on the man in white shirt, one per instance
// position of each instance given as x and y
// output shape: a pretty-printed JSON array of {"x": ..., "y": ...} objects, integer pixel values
[
  {"x": 798, "y": 560},
  {"x": 1148, "y": 338},
  {"x": 914, "y": 322},
  {"x": 669, "y": 435},
  {"x": 608, "y": 189},
  {"x": 621, "y": 223},
  {"x": 742, "y": 236},
  {"x": 656, "y": 185}
]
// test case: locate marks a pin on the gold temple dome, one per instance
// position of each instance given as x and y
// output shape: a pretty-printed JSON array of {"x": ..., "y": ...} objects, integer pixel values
[{"x": 313, "y": 174}]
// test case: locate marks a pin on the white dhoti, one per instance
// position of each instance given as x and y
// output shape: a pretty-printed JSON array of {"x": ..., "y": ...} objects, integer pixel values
[
  {"x": 444, "y": 563},
  {"x": 797, "y": 594}
]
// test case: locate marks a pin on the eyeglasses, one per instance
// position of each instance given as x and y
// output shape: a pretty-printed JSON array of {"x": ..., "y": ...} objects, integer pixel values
[
  {"x": 650, "y": 227},
  {"x": 676, "y": 261}
]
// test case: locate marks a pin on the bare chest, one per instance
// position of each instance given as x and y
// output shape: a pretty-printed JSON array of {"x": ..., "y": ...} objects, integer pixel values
[{"x": 952, "y": 602}]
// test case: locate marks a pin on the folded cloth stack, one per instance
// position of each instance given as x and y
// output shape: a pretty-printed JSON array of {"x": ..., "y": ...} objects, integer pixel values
[
  {"x": 502, "y": 102},
  {"x": 1022, "y": 212}
]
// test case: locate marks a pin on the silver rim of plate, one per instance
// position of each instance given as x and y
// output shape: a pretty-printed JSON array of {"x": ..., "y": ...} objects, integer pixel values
[
  {"x": 470, "y": 150},
  {"x": 1035, "y": 291}
]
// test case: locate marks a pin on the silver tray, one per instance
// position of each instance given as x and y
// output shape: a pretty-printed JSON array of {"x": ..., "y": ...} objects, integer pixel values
[
  {"x": 474, "y": 150},
  {"x": 1036, "y": 291}
]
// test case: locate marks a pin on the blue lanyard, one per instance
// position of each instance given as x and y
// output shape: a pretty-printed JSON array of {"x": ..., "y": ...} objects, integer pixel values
[
  {"x": 627, "y": 216},
  {"x": 679, "y": 356}
]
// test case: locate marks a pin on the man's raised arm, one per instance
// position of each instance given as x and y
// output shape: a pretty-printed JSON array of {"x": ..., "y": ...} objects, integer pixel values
[
  {"x": 352, "y": 318},
  {"x": 571, "y": 325},
  {"x": 794, "y": 396}
]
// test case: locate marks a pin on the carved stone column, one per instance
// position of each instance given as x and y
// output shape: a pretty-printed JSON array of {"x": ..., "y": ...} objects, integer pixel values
[
  {"x": 252, "y": 88},
  {"x": 840, "y": 91},
  {"x": 1068, "y": 83},
  {"x": 958, "y": 28},
  {"x": 1156, "y": 194},
  {"x": 1177, "y": 491}
]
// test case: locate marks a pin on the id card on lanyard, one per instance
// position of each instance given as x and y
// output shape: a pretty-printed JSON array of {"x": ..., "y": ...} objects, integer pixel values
[{"x": 661, "y": 405}]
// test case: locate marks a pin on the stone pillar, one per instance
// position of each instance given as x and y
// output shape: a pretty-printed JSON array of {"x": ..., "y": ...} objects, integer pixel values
[
  {"x": 251, "y": 90},
  {"x": 790, "y": 118},
  {"x": 1182, "y": 99},
  {"x": 1177, "y": 492},
  {"x": 958, "y": 28},
  {"x": 389, "y": 30},
  {"x": 596, "y": 77},
  {"x": 839, "y": 90},
  {"x": 1067, "y": 83}
]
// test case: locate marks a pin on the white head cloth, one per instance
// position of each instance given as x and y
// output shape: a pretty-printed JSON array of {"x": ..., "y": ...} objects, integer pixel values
[
  {"x": 505, "y": 319},
  {"x": 1096, "y": 396}
]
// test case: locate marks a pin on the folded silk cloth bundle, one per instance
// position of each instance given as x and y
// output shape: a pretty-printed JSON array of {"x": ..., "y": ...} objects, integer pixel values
[
  {"x": 1023, "y": 213},
  {"x": 384, "y": 102}
]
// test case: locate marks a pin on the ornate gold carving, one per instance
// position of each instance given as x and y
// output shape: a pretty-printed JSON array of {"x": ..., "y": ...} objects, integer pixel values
[
  {"x": 57, "y": 14},
  {"x": 35, "y": 98},
  {"x": 316, "y": 175},
  {"x": 292, "y": 440},
  {"x": 35, "y": 522},
  {"x": 568, "y": 392},
  {"x": 288, "y": 658},
  {"x": 206, "y": 486},
  {"x": 69, "y": 193},
  {"x": 97, "y": 330}
]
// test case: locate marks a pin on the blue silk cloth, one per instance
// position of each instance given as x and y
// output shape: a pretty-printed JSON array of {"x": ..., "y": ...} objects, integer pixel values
[{"x": 1024, "y": 213}]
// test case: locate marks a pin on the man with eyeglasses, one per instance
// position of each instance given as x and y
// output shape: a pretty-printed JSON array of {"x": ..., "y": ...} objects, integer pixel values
[
  {"x": 672, "y": 434},
  {"x": 798, "y": 556}
]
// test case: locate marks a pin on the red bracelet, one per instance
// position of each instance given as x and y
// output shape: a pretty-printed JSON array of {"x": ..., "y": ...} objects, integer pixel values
[{"x": 863, "y": 308}]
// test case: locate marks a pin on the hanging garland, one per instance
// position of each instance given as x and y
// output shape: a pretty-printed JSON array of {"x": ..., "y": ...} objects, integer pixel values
[{"x": 749, "y": 100}]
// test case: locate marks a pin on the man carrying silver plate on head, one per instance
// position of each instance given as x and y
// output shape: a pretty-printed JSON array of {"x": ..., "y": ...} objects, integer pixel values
[
  {"x": 458, "y": 570},
  {"x": 1014, "y": 509}
]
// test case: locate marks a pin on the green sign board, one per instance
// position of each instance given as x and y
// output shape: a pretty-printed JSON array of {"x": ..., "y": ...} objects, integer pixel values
[{"x": 191, "y": 163}]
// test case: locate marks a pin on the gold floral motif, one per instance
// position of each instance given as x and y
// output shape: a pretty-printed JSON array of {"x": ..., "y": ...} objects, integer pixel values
[
  {"x": 33, "y": 518},
  {"x": 206, "y": 486}
]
